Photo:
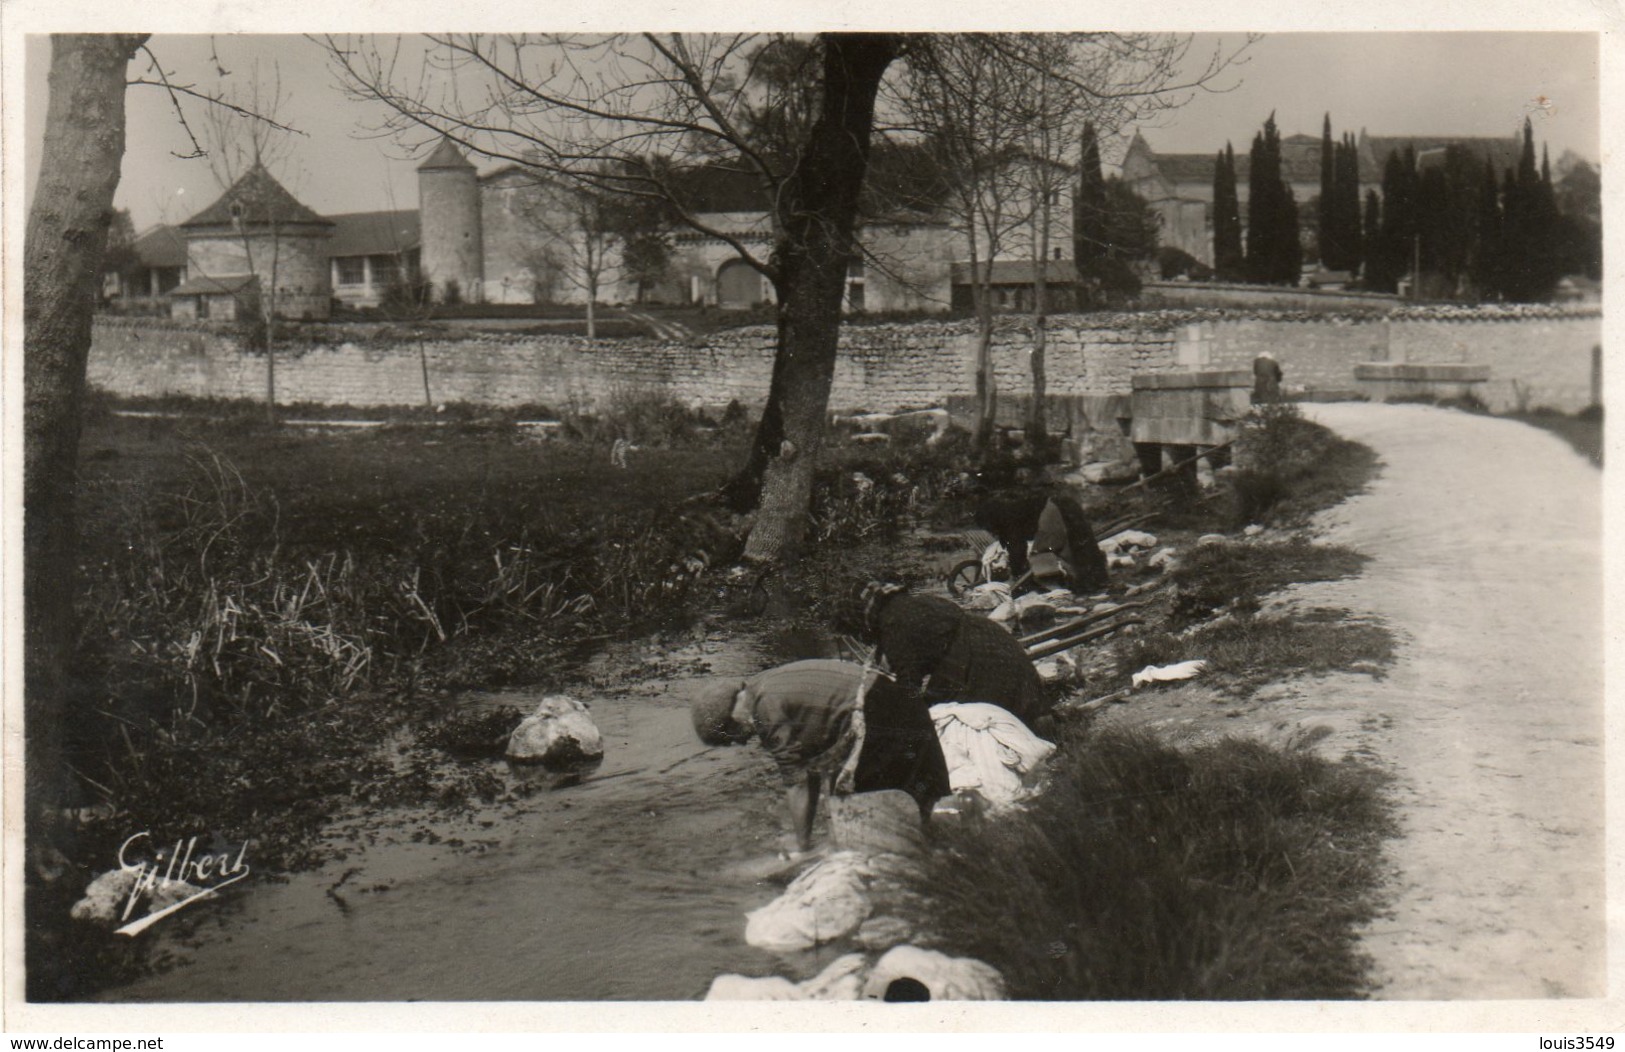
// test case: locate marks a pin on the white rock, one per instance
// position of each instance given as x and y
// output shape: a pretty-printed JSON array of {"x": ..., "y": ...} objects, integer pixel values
[
  {"x": 107, "y": 896},
  {"x": 559, "y": 733},
  {"x": 1162, "y": 559},
  {"x": 1212, "y": 538},
  {"x": 1253, "y": 530}
]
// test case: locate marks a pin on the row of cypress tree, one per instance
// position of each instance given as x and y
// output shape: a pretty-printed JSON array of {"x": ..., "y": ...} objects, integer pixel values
[{"x": 1469, "y": 234}]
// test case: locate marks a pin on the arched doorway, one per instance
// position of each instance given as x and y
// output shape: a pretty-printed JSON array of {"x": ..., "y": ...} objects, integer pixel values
[{"x": 738, "y": 284}]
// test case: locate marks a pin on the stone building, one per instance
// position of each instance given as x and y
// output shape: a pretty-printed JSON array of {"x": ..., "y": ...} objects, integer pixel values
[
  {"x": 1179, "y": 186},
  {"x": 512, "y": 235},
  {"x": 256, "y": 240}
]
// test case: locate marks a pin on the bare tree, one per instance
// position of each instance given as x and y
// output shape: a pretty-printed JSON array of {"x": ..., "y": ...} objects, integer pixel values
[
  {"x": 1004, "y": 112},
  {"x": 632, "y": 114},
  {"x": 975, "y": 109},
  {"x": 62, "y": 258},
  {"x": 578, "y": 238},
  {"x": 243, "y": 151}
]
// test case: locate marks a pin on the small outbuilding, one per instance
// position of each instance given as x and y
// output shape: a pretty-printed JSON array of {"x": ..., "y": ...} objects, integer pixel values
[{"x": 258, "y": 233}]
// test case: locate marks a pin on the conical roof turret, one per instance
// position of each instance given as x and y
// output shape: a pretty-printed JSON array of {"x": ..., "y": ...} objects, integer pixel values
[{"x": 446, "y": 155}]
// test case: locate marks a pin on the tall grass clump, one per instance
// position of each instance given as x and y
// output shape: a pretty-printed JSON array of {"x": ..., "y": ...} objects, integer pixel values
[
  {"x": 1230, "y": 576},
  {"x": 1245, "y": 651},
  {"x": 1288, "y": 468},
  {"x": 1226, "y": 871},
  {"x": 861, "y": 494}
]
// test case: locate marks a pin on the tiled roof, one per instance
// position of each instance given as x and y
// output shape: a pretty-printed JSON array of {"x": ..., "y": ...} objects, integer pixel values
[
  {"x": 374, "y": 233},
  {"x": 446, "y": 155},
  {"x": 259, "y": 199},
  {"x": 161, "y": 246}
]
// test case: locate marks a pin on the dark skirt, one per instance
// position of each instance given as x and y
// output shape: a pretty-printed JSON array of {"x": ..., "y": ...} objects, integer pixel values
[{"x": 900, "y": 747}]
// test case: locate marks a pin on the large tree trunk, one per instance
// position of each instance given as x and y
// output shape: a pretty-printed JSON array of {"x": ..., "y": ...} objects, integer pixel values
[
  {"x": 744, "y": 491},
  {"x": 819, "y": 210},
  {"x": 66, "y": 237}
]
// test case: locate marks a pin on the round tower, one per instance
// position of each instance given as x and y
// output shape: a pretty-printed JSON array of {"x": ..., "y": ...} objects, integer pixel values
[{"x": 449, "y": 213}]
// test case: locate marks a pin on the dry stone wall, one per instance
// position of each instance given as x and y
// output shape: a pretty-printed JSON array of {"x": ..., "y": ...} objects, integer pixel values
[{"x": 1534, "y": 358}]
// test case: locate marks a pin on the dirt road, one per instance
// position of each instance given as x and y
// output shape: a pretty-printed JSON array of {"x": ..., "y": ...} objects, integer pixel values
[{"x": 1485, "y": 538}]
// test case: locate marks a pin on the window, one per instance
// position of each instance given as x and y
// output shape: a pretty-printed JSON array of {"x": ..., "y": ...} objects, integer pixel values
[
  {"x": 385, "y": 270},
  {"x": 352, "y": 270}
]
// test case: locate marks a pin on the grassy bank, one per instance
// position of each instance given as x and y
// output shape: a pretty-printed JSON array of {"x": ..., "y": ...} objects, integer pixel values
[
  {"x": 1227, "y": 870},
  {"x": 1582, "y": 430},
  {"x": 1230, "y": 871}
]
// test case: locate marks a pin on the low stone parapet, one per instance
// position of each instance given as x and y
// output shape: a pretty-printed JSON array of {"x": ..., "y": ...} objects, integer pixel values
[{"x": 1387, "y": 381}]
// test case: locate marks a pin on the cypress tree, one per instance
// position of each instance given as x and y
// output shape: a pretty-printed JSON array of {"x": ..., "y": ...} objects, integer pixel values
[
  {"x": 1089, "y": 208},
  {"x": 1484, "y": 266},
  {"x": 1330, "y": 236},
  {"x": 1287, "y": 260},
  {"x": 1528, "y": 225},
  {"x": 1273, "y": 253},
  {"x": 1227, "y": 256},
  {"x": 1432, "y": 202},
  {"x": 1397, "y": 239},
  {"x": 1348, "y": 204},
  {"x": 1375, "y": 277}
]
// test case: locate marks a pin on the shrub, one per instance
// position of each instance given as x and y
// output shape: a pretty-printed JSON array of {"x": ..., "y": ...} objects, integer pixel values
[{"x": 1288, "y": 467}]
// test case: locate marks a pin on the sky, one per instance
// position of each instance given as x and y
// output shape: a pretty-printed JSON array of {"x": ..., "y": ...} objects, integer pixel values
[{"x": 1440, "y": 83}]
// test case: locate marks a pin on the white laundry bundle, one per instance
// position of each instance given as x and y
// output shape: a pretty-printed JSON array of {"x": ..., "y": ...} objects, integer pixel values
[
  {"x": 841, "y": 981},
  {"x": 1157, "y": 674},
  {"x": 995, "y": 561},
  {"x": 989, "y": 595},
  {"x": 988, "y": 750},
  {"x": 1128, "y": 539},
  {"x": 947, "y": 978},
  {"x": 826, "y": 901}
]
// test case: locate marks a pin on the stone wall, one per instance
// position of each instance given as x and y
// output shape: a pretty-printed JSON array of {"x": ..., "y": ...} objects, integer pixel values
[
  {"x": 1092, "y": 360},
  {"x": 1260, "y": 297},
  {"x": 1537, "y": 356}
]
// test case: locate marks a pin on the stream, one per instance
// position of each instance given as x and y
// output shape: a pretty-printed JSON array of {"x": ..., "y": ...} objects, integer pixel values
[{"x": 612, "y": 888}]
